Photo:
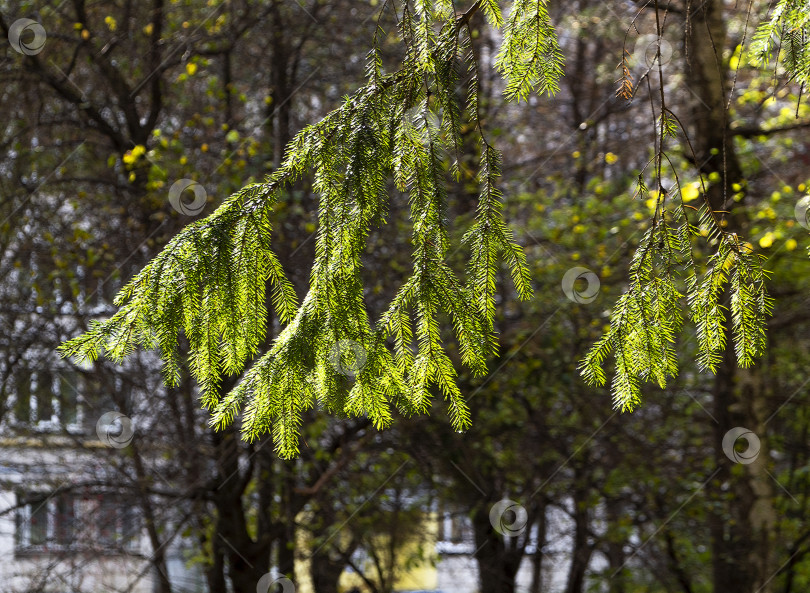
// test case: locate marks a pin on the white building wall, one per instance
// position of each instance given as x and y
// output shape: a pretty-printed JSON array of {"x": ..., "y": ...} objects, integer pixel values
[{"x": 43, "y": 465}]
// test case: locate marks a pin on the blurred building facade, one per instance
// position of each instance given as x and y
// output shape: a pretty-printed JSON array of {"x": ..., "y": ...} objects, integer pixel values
[{"x": 69, "y": 522}]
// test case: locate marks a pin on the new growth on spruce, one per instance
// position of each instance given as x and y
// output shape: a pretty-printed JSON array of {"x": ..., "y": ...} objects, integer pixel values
[{"x": 209, "y": 283}]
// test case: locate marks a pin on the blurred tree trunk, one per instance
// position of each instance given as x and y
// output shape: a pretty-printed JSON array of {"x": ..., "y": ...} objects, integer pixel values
[
  {"x": 614, "y": 510},
  {"x": 325, "y": 573},
  {"x": 742, "y": 524},
  {"x": 675, "y": 564},
  {"x": 537, "y": 559},
  {"x": 215, "y": 570},
  {"x": 582, "y": 548},
  {"x": 286, "y": 546},
  {"x": 498, "y": 562},
  {"x": 707, "y": 81}
]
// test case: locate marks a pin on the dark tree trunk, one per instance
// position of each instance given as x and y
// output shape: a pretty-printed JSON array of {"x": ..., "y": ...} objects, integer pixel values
[
  {"x": 741, "y": 525},
  {"x": 498, "y": 557},
  {"x": 675, "y": 565},
  {"x": 582, "y": 549},
  {"x": 706, "y": 77},
  {"x": 280, "y": 84},
  {"x": 615, "y": 548},
  {"x": 215, "y": 571},
  {"x": 325, "y": 573},
  {"x": 248, "y": 560},
  {"x": 730, "y": 529},
  {"x": 537, "y": 559},
  {"x": 286, "y": 547}
]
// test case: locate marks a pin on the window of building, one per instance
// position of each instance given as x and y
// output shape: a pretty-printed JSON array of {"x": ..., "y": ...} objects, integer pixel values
[
  {"x": 46, "y": 399},
  {"x": 454, "y": 526},
  {"x": 73, "y": 522},
  {"x": 116, "y": 523},
  {"x": 22, "y": 393},
  {"x": 44, "y": 522},
  {"x": 67, "y": 397}
]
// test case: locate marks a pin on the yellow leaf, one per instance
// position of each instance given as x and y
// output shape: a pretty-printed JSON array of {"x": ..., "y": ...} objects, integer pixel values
[
  {"x": 191, "y": 68},
  {"x": 690, "y": 192},
  {"x": 766, "y": 240}
]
